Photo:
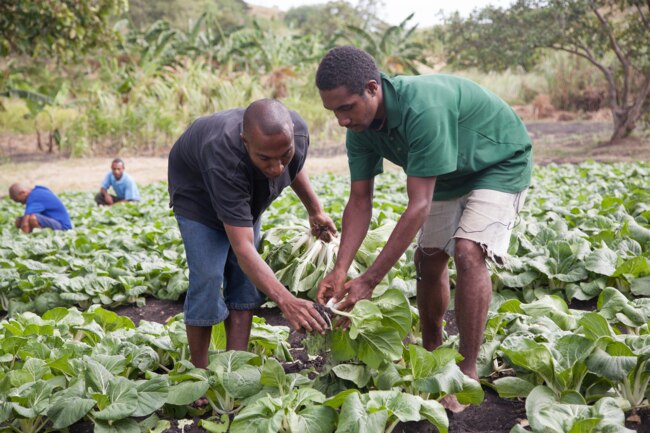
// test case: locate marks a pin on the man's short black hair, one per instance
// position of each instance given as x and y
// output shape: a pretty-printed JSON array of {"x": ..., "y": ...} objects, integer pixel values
[{"x": 346, "y": 66}]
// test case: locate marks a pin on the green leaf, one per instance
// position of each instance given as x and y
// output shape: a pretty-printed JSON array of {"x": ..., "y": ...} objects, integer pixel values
[
  {"x": 436, "y": 414},
  {"x": 395, "y": 310},
  {"x": 640, "y": 286},
  {"x": 123, "y": 400},
  {"x": 273, "y": 374},
  {"x": 119, "y": 426},
  {"x": 382, "y": 344},
  {"x": 260, "y": 417},
  {"x": 615, "y": 363},
  {"x": 357, "y": 374},
  {"x": 67, "y": 411},
  {"x": 97, "y": 376},
  {"x": 187, "y": 392},
  {"x": 602, "y": 261},
  {"x": 513, "y": 387},
  {"x": 355, "y": 418},
  {"x": 313, "y": 419},
  {"x": 216, "y": 424},
  {"x": 151, "y": 395}
]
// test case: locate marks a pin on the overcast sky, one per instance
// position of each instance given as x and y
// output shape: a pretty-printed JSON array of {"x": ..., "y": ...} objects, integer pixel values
[{"x": 426, "y": 11}]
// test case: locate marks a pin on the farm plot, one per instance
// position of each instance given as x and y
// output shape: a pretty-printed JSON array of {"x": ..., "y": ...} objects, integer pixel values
[{"x": 583, "y": 236}]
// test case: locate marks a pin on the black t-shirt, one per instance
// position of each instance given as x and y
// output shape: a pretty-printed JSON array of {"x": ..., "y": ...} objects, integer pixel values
[{"x": 212, "y": 179}]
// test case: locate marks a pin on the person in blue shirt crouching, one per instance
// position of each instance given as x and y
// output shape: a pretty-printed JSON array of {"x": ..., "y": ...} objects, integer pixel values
[
  {"x": 123, "y": 185},
  {"x": 43, "y": 209}
]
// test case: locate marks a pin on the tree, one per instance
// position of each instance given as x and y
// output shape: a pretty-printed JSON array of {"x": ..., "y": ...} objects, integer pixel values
[
  {"x": 325, "y": 18},
  {"x": 612, "y": 35},
  {"x": 394, "y": 49},
  {"x": 229, "y": 13},
  {"x": 63, "y": 29}
]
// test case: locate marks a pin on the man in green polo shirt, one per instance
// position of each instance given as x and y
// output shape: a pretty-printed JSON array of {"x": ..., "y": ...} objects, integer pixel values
[{"x": 467, "y": 157}]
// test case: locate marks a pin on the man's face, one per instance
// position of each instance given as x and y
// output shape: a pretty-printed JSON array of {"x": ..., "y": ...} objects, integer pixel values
[
  {"x": 118, "y": 170},
  {"x": 21, "y": 197},
  {"x": 269, "y": 153},
  {"x": 355, "y": 112}
]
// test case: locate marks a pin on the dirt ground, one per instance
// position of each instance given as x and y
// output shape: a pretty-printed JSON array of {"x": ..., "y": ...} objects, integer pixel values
[{"x": 553, "y": 141}]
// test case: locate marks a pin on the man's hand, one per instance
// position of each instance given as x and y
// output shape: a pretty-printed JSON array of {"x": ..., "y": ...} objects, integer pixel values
[
  {"x": 301, "y": 314},
  {"x": 357, "y": 289},
  {"x": 108, "y": 199},
  {"x": 331, "y": 287},
  {"x": 322, "y": 226}
]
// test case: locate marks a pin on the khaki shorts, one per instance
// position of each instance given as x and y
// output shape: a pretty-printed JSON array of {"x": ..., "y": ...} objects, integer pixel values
[{"x": 484, "y": 216}]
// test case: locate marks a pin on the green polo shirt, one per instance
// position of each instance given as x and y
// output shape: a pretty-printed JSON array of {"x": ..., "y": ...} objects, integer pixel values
[{"x": 448, "y": 127}]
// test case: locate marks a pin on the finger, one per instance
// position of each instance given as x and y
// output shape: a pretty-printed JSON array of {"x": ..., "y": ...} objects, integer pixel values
[
  {"x": 322, "y": 294},
  {"x": 315, "y": 326},
  {"x": 320, "y": 324},
  {"x": 307, "y": 326}
]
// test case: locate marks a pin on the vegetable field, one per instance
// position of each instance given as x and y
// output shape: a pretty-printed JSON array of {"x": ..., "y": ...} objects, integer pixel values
[{"x": 583, "y": 239}]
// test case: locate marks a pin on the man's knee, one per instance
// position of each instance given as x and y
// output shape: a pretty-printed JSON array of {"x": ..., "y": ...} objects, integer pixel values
[
  {"x": 468, "y": 254},
  {"x": 431, "y": 258}
]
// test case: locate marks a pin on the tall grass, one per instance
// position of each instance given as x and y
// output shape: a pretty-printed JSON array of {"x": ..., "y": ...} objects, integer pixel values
[
  {"x": 122, "y": 108},
  {"x": 514, "y": 87},
  {"x": 568, "y": 77}
]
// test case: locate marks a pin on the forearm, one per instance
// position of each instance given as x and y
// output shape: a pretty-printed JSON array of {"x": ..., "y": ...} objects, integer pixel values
[
  {"x": 302, "y": 187},
  {"x": 400, "y": 239},
  {"x": 258, "y": 271},
  {"x": 420, "y": 193}
]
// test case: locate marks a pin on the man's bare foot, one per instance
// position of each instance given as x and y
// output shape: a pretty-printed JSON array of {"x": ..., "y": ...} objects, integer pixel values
[{"x": 450, "y": 403}]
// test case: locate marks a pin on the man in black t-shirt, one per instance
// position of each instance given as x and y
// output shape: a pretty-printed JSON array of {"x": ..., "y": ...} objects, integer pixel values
[{"x": 224, "y": 171}]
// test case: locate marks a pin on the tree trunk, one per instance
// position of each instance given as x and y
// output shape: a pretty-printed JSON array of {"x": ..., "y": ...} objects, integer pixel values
[
  {"x": 625, "y": 118},
  {"x": 624, "y": 124}
]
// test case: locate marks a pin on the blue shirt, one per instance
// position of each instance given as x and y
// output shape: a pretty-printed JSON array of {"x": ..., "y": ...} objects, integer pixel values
[
  {"x": 125, "y": 188},
  {"x": 43, "y": 201}
]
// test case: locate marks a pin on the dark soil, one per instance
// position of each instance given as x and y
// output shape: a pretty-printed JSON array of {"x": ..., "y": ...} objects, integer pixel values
[{"x": 494, "y": 415}]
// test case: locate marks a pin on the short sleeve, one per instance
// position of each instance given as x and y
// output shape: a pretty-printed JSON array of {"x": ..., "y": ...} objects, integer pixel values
[
  {"x": 106, "y": 183},
  {"x": 364, "y": 162},
  {"x": 433, "y": 142},
  {"x": 230, "y": 195}
]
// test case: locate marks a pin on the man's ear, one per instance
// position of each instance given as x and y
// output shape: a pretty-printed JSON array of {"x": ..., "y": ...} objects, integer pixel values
[{"x": 373, "y": 87}]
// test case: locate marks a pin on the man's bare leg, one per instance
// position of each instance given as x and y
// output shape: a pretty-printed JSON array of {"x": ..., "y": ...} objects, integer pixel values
[
  {"x": 433, "y": 301},
  {"x": 199, "y": 341},
  {"x": 238, "y": 329},
  {"x": 473, "y": 295},
  {"x": 432, "y": 294}
]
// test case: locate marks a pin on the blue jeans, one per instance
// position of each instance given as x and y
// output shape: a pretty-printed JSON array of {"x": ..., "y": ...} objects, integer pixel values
[
  {"x": 47, "y": 222},
  {"x": 213, "y": 264}
]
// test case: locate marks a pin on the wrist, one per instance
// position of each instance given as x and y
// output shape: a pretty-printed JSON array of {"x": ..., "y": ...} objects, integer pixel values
[
  {"x": 371, "y": 278},
  {"x": 314, "y": 210},
  {"x": 283, "y": 299}
]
